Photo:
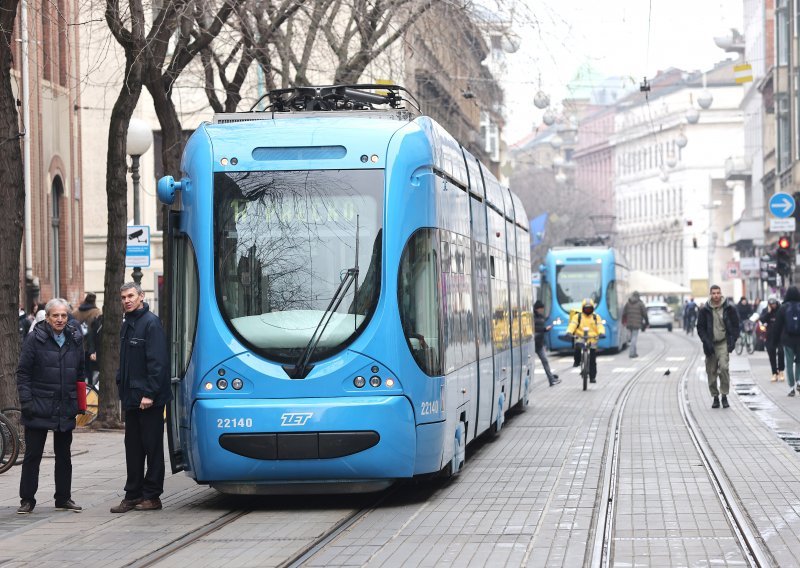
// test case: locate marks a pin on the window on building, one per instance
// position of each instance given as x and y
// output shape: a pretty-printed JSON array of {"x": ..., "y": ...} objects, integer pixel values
[
  {"x": 784, "y": 134},
  {"x": 46, "y": 43},
  {"x": 63, "y": 54},
  {"x": 782, "y": 42}
]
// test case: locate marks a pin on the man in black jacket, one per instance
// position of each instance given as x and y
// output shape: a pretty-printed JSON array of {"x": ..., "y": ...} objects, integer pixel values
[
  {"x": 718, "y": 328},
  {"x": 540, "y": 327},
  {"x": 144, "y": 389},
  {"x": 50, "y": 364}
]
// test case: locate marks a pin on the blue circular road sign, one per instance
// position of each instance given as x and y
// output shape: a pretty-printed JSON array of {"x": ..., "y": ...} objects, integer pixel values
[{"x": 781, "y": 205}]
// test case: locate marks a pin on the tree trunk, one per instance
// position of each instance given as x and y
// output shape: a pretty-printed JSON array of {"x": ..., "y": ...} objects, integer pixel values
[
  {"x": 12, "y": 213},
  {"x": 117, "y": 196}
]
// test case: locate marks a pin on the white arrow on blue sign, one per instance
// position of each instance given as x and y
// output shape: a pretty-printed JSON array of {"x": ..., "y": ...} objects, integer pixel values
[{"x": 781, "y": 205}]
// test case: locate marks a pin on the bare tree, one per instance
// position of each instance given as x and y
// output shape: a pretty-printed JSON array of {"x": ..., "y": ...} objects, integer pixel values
[
  {"x": 12, "y": 194},
  {"x": 127, "y": 27}
]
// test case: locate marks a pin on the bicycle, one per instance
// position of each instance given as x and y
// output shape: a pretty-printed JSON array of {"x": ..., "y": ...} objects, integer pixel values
[
  {"x": 10, "y": 442},
  {"x": 745, "y": 340},
  {"x": 92, "y": 405},
  {"x": 585, "y": 355}
]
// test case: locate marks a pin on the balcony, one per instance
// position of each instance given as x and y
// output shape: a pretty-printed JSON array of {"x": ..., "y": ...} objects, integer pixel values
[
  {"x": 738, "y": 168},
  {"x": 744, "y": 233}
]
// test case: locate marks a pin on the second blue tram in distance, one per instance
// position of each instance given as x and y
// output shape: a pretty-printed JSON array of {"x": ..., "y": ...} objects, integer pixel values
[
  {"x": 349, "y": 295},
  {"x": 571, "y": 274}
]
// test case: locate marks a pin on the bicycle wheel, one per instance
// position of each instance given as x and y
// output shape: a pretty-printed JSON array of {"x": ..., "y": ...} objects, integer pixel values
[
  {"x": 92, "y": 403},
  {"x": 10, "y": 444},
  {"x": 585, "y": 367},
  {"x": 739, "y": 345}
]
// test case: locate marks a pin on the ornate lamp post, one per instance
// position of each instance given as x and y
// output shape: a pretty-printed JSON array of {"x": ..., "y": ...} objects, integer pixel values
[{"x": 138, "y": 141}]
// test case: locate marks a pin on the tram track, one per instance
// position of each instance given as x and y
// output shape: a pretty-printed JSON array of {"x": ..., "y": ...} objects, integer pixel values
[
  {"x": 601, "y": 554},
  {"x": 738, "y": 519},
  {"x": 599, "y": 547}
]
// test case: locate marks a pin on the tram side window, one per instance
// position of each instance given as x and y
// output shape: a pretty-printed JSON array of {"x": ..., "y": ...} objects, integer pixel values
[
  {"x": 418, "y": 298},
  {"x": 185, "y": 295},
  {"x": 613, "y": 301}
]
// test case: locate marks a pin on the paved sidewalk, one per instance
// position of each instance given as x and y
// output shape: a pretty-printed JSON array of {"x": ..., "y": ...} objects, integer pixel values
[{"x": 762, "y": 469}]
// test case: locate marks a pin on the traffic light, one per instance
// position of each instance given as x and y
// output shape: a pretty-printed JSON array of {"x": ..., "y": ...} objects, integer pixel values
[{"x": 783, "y": 257}]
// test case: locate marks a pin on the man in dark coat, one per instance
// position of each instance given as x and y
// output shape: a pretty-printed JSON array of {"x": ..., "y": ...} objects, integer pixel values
[
  {"x": 50, "y": 364},
  {"x": 789, "y": 336},
  {"x": 86, "y": 315},
  {"x": 540, "y": 327},
  {"x": 144, "y": 388},
  {"x": 634, "y": 317},
  {"x": 718, "y": 328}
]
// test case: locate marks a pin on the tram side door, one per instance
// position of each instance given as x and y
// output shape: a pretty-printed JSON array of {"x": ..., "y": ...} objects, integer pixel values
[{"x": 182, "y": 297}]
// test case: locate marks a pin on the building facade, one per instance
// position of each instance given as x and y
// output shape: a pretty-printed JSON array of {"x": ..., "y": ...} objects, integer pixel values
[
  {"x": 672, "y": 203},
  {"x": 51, "y": 118}
]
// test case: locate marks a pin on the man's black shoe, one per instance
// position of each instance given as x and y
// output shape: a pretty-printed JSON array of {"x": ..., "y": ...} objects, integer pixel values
[
  {"x": 715, "y": 404},
  {"x": 555, "y": 377},
  {"x": 592, "y": 381},
  {"x": 725, "y": 401},
  {"x": 555, "y": 381},
  {"x": 69, "y": 506},
  {"x": 26, "y": 508}
]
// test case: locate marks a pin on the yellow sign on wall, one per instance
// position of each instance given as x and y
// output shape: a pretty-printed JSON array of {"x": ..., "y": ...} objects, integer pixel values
[{"x": 743, "y": 73}]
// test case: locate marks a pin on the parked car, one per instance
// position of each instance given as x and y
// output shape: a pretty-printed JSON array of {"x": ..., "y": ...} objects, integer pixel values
[{"x": 659, "y": 314}]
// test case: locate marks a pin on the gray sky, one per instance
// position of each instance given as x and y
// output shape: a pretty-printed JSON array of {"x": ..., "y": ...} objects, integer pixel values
[{"x": 630, "y": 38}]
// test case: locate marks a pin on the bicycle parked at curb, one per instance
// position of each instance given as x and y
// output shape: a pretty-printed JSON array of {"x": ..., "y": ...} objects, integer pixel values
[
  {"x": 746, "y": 340},
  {"x": 11, "y": 445}
]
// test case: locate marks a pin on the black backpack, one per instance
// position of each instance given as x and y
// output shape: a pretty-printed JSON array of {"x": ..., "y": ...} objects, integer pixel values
[{"x": 793, "y": 318}]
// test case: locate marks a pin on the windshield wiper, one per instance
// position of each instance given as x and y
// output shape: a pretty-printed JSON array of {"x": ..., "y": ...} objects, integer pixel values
[{"x": 301, "y": 369}]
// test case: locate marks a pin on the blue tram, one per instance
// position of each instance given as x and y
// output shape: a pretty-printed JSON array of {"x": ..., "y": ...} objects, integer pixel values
[
  {"x": 571, "y": 274},
  {"x": 349, "y": 294}
]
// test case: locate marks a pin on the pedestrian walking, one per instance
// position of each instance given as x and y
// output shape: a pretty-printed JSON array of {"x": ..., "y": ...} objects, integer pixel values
[
  {"x": 787, "y": 326},
  {"x": 744, "y": 310},
  {"x": 634, "y": 317},
  {"x": 144, "y": 389},
  {"x": 540, "y": 327},
  {"x": 718, "y": 328},
  {"x": 689, "y": 316},
  {"x": 50, "y": 364},
  {"x": 773, "y": 343},
  {"x": 86, "y": 315}
]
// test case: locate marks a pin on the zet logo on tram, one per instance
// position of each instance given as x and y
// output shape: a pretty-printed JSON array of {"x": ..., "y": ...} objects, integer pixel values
[{"x": 295, "y": 418}]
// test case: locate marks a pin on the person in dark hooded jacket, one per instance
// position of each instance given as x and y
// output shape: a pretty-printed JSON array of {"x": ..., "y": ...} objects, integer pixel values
[
  {"x": 143, "y": 380},
  {"x": 773, "y": 344},
  {"x": 790, "y": 341},
  {"x": 87, "y": 313},
  {"x": 50, "y": 364}
]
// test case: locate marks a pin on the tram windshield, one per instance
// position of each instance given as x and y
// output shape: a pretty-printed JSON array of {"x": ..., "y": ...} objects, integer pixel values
[
  {"x": 283, "y": 242},
  {"x": 576, "y": 282}
]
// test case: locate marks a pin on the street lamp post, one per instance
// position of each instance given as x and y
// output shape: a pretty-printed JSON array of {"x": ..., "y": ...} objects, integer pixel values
[{"x": 138, "y": 141}]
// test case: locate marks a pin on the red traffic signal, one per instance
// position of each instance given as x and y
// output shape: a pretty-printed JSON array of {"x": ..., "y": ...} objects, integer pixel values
[{"x": 784, "y": 243}]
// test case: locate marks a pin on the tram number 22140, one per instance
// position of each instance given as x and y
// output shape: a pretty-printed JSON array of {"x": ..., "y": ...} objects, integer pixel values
[
  {"x": 234, "y": 422},
  {"x": 429, "y": 407}
]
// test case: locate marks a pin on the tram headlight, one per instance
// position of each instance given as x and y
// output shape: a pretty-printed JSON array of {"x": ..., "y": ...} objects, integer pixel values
[
  {"x": 390, "y": 383},
  {"x": 222, "y": 384},
  {"x": 237, "y": 383},
  {"x": 224, "y": 161},
  {"x": 208, "y": 386},
  {"x": 375, "y": 381},
  {"x": 359, "y": 381},
  {"x": 374, "y": 158}
]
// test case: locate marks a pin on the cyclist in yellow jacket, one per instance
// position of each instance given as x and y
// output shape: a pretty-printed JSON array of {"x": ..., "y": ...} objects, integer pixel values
[{"x": 589, "y": 321}]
